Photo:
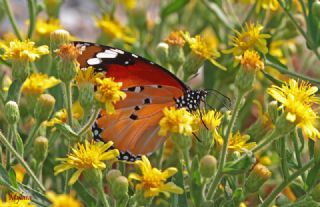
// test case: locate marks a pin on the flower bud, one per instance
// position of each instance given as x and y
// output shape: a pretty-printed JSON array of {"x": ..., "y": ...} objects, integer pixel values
[
  {"x": 273, "y": 111},
  {"x": 58, "y": 38},
  {"x": 119, "y": 188},
  {"x": 112, "y": 175},
  {"x": 315, "y": 194},
  {"x": 68, "y": 65},
  {"x": 257, "y": 177},
  {"x": 175, "y": 57},
  {"x": 12, "y": 114},
  {"x": 92, "y": 177},
  {"x": 86, "y": 95},
  {"x": 192, "y": 64},
  {"x": 282, "y": 200},
  {"x": 40, "y": 150},
  {"x": 316, "y": 10},
  {"x": 208, "y": 165},
  {"x": 44, "y": 107},
  {"x": 162, "y": 53},
  {"x": 20, "y": 70},
  {"x": 181, "y": 141},
  {"x": 244, "y": 80}
]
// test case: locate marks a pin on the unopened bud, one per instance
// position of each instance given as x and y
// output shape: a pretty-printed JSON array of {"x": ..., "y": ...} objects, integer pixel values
[
  {"x": 58, "y": 38},
  {"x": 12, "y": 114},
  {"x": 257, "y": 177},
  {"x": 119, "y": 188},
  {"x": 192, "y": 64},
  {"x": 316, "y": 10},
  {"x": 162, "y": 53},
  {"x": 68, "y": 65},
  {"x": 244, "y": 80},
  {"x": 40, "y": 149},
  {"x": 86, "y": 95},
  {"x": 112, "y": 175},
  {"x": 44, "y": 107},
  {"x": 181, "y": 141},
  {"x": 20, "y": 70},
  {"x": 176, "y": 57},
  {"x": 208, "y": 165}
]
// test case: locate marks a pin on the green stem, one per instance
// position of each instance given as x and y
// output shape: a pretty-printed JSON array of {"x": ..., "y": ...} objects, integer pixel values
[
  {"x": 21, "y": 160},
  {"x": 12, "y": 19},
  {"x": 103, "y": 196},
  {"x": 186, "y": 158},
  {"x": 8, "y": 154},
  {"x": 268, "y": 139},
  {"x": 297, "y": 152},
  {"x": 90, "y": 122},
  {"x": 285, "y": 183},
  {"x": 32, "y": 17},
  {"x": 31, "y": 137},
  {"x": 302, "y": 32},
  {"x": 292, "y": 73},
  {"x": 68, "y": 95},
  {"x": 224, "y": 151},
  {"x": 283, "y": 157}
]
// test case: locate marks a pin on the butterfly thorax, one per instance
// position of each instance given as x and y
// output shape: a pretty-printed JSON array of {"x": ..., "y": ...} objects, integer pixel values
[{"x": 191, "y": 99}]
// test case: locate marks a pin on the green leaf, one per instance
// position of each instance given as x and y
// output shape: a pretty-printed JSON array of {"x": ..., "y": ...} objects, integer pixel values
[
  {"x": 239, "y": 166},
  {"x": 13, "y": 179},
  {"x": 66, "y": 130},
  {"x": 83, "y": 192},
  {"x": 218, "y": 12},
  {"x": 179, "y": 200},
  {"x": 313, "y": 176},
  {"x": 19, "y": 144},
  {"x": 4, "y": 177},
  {"x": 173, "y": 7},
  {"x": 36, "y": 197},
  {"x": 14, "y": 90}
]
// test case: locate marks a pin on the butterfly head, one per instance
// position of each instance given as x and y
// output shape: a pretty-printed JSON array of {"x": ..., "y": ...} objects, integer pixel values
[{"x": 191, "y": 99}]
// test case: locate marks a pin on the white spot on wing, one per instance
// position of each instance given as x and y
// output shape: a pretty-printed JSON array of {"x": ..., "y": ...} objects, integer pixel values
[
  {"x": 107, "y": 54},
  {"x": 134, "y": 55},
  {"x": 94, "y": 61},
  {"x": 117, "y": 51}
]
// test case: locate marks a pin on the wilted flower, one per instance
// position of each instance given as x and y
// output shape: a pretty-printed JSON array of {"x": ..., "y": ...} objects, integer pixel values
[
  {"x": 37, "y": 83},
  {"x": 23, "y": 51},
  {"x": 153, "y": 180},
  {"x": 249, "y": 38},
  {"x": 90, "y": 155},
  {"x": 176, "y": 121},
  {"x": 63, "y": 200},
  {"x": 297, "y": 100},
  {"x": 175, "y": 38},
  {"x": 108, "y": 92}
]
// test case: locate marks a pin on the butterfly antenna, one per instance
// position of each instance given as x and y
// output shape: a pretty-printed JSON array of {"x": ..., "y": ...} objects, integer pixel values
[
  {"x": 226, "y": 100},
  {"x": 196, "y": 137},
  {"x": 204, "y": 124}
]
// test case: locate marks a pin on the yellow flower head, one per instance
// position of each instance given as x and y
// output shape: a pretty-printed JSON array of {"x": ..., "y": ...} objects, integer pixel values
[
  {"x": 87, "y": 75},
  {"x": 86, "y": 156},
  {"x": 6, "y": 39},
  {"x": 20, "y": 172},
  {"x": 45, "y": 27},
  {"x": 153, "y": 180},
  {"x": 267, "y": 4},
  {"x": 63, "y": 200},
  {"x": 68, "y": 52},
  {"x": 250, "y": 60},
  {"x": 212, "y": 120},
  {"x": 176, "y": 121},
  {"x": 37, "y": 83},
  {"x": 249, "y": 38},
  {"x": 23, "y": 51},
  {"x": 128, "y": 4},
  {"x": 201, "y": 49},
  {"x": 108, "y": 92},
  {"x": 238, "y": 142},
  {"x": 176, "y": 39},
  {"x": 297, "y": 100},
  {"x": 62, "y": 115},
  {"x": 17, "y": 200},
  {"x": 113, "y": 29}
]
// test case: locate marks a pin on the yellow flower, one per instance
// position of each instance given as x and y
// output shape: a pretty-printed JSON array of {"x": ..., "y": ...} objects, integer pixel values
[
  {"x": 267, "y": 4},
  {"x": 128, "y": 4},
  {"x": 17, "y": 200},
  {"x": 37, "y": 83},
  {"x": 6, "y": 39},
  {"x": 153, "y": 180},
  {"x": 87, "y": 75},
  {"x": 237, "y": 142},
  {"x": 176, "y": 121},
  {"x": 45, "y": 27},
  {"x": 202, "y": 49},
  {"x": 62, "y": 115},
  {"x": 176, "y": 39},
  {"x": 297, "y": 100},
  {"x": 115, "y": 30},
  {"x": 86, "y": 156},
  {"x": 63, "y": 200},
  {"x": 23, "y": 51},
  {"x": 249, "y": 38},
  {"x": 250, "y": 60},
  {"x": 20, "y": 172},
  {"x": 212, "y": 120},
  {"x": 108, "y": 92}
]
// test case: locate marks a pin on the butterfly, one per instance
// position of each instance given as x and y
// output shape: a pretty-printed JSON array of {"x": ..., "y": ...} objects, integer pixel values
[{"x": 150, "y": 88}]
